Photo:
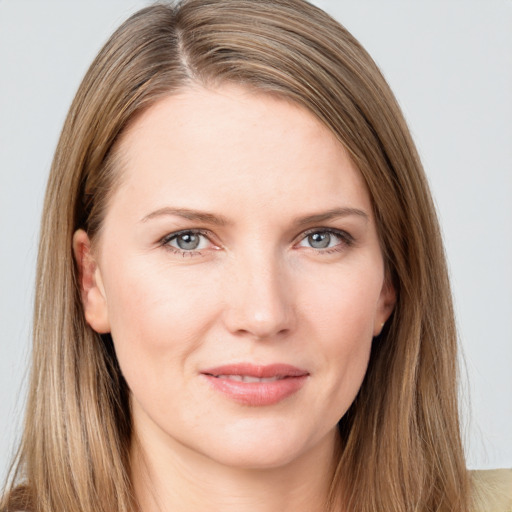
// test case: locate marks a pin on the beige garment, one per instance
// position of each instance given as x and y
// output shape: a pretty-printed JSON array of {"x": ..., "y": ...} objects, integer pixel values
[{"x": 493, "y": 490}]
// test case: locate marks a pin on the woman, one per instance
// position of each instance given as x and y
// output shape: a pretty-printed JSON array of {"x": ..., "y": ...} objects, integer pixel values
[{"x": 242, "y": 297}]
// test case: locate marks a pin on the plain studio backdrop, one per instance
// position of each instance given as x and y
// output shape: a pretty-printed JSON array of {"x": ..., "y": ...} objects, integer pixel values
[{"x": 449, "y": 63}]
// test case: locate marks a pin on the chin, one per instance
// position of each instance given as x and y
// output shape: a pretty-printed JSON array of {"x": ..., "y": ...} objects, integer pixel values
[
  {"x": 258, "y": 458},
  {"x": 265, "y": 449}
]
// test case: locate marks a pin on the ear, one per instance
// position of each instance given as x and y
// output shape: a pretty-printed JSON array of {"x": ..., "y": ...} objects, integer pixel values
[
  {"x": 385, "y": 306},
  {"x": 91, "y": 285}
]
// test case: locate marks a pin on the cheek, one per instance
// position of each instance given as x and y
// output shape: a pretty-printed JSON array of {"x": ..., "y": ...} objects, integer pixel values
[
  {"x": 343, "y": 306},
  {"x": 341, "y": 317},
  {"x": 157, "y": 317}
]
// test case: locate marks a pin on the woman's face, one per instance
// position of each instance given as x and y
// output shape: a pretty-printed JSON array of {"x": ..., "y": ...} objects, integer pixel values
[{"x": 240, "y": 274}]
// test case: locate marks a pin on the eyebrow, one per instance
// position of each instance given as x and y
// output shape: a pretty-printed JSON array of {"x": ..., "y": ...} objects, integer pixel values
[
  {"x": 219, "y": 220},
  {"x": 186, "y": 213},
  {"x": 335, "y": 213}
]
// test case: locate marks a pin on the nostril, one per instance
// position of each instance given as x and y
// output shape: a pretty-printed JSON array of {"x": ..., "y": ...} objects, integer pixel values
[{"x": 260, "y": 303}]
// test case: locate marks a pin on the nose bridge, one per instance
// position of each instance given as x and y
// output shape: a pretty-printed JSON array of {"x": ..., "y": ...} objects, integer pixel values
[{"x": 260, "y": 301}]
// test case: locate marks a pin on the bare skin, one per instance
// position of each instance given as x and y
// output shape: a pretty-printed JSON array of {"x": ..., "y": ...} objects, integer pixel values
[{"x": 241, "y": 238}]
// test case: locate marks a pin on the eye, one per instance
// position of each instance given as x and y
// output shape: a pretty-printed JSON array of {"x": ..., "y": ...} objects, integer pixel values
[
  {"x": 187, "y": 241},
  {"x": 326, "y": 239}
]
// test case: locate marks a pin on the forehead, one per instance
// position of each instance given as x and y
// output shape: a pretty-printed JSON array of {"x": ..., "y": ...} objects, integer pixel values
[{"x": 209, "y": 146}]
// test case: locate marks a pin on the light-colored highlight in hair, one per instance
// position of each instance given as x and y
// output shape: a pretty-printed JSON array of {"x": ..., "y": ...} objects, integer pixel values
[{"x": 401, "y": 447}]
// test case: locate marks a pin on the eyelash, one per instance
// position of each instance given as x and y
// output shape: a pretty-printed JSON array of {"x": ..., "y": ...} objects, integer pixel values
[
  {"x": 346, "y": 240},
  {"x": 165, "y": 242}
]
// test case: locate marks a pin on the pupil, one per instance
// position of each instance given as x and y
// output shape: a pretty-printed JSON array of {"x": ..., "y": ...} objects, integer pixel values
[
  {"x": 319, "y": 240},
  {"x": 188, "y": 241}
]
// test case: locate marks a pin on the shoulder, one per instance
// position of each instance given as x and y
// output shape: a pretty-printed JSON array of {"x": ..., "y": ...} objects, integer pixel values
[{"x": 492, "y": 490}]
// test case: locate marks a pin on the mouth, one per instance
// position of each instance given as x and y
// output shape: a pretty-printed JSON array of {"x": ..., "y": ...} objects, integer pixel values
[
  {"x": 256, "y": 385},
  {"x": 247, "y": 378}
]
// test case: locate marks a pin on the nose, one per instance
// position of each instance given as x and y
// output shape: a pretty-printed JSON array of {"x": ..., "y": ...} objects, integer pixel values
[{"x": 259, "y": 295}]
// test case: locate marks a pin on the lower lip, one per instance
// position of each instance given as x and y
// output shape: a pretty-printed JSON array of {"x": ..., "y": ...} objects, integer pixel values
[{"x": 257, "y": 393}]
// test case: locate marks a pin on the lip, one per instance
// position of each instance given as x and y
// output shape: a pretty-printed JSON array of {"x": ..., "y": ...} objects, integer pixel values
[{"x": 284, "y": 381}]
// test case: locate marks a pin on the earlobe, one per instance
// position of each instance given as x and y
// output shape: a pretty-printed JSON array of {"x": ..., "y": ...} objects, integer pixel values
[
  {"x": 91, "y": 285},
  {"x": 387, "y": 301}
]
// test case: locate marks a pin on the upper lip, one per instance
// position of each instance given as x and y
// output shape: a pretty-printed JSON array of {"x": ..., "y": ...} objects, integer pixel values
[{"x": 256, "y": 370}]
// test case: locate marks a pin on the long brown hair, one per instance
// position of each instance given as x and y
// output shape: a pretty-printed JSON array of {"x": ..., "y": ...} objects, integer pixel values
[{"x": 401, "y": 446}]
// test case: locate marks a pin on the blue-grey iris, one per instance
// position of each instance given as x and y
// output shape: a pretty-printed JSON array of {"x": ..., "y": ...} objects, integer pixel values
[
  {"x": 319, "y": 240},
  {"x": 188, "y": 241}
]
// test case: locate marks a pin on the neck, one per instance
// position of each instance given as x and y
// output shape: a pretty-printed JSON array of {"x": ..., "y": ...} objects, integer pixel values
[{"x": 170, "y": 476}]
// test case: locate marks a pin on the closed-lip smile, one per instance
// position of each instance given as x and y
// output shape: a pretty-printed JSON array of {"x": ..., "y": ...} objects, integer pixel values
[{"x": 256, "y": 385}]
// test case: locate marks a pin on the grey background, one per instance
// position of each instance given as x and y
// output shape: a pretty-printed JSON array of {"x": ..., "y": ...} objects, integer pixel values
[{"x": 450, "y": 65}]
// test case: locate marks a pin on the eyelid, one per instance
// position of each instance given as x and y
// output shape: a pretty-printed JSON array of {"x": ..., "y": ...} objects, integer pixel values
[
  {"x": 347, "y": 238},
  {"x": 175, "y": 234},
  {"x": 165, "y": 241},
  {"x": 324, "y": 229}
]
